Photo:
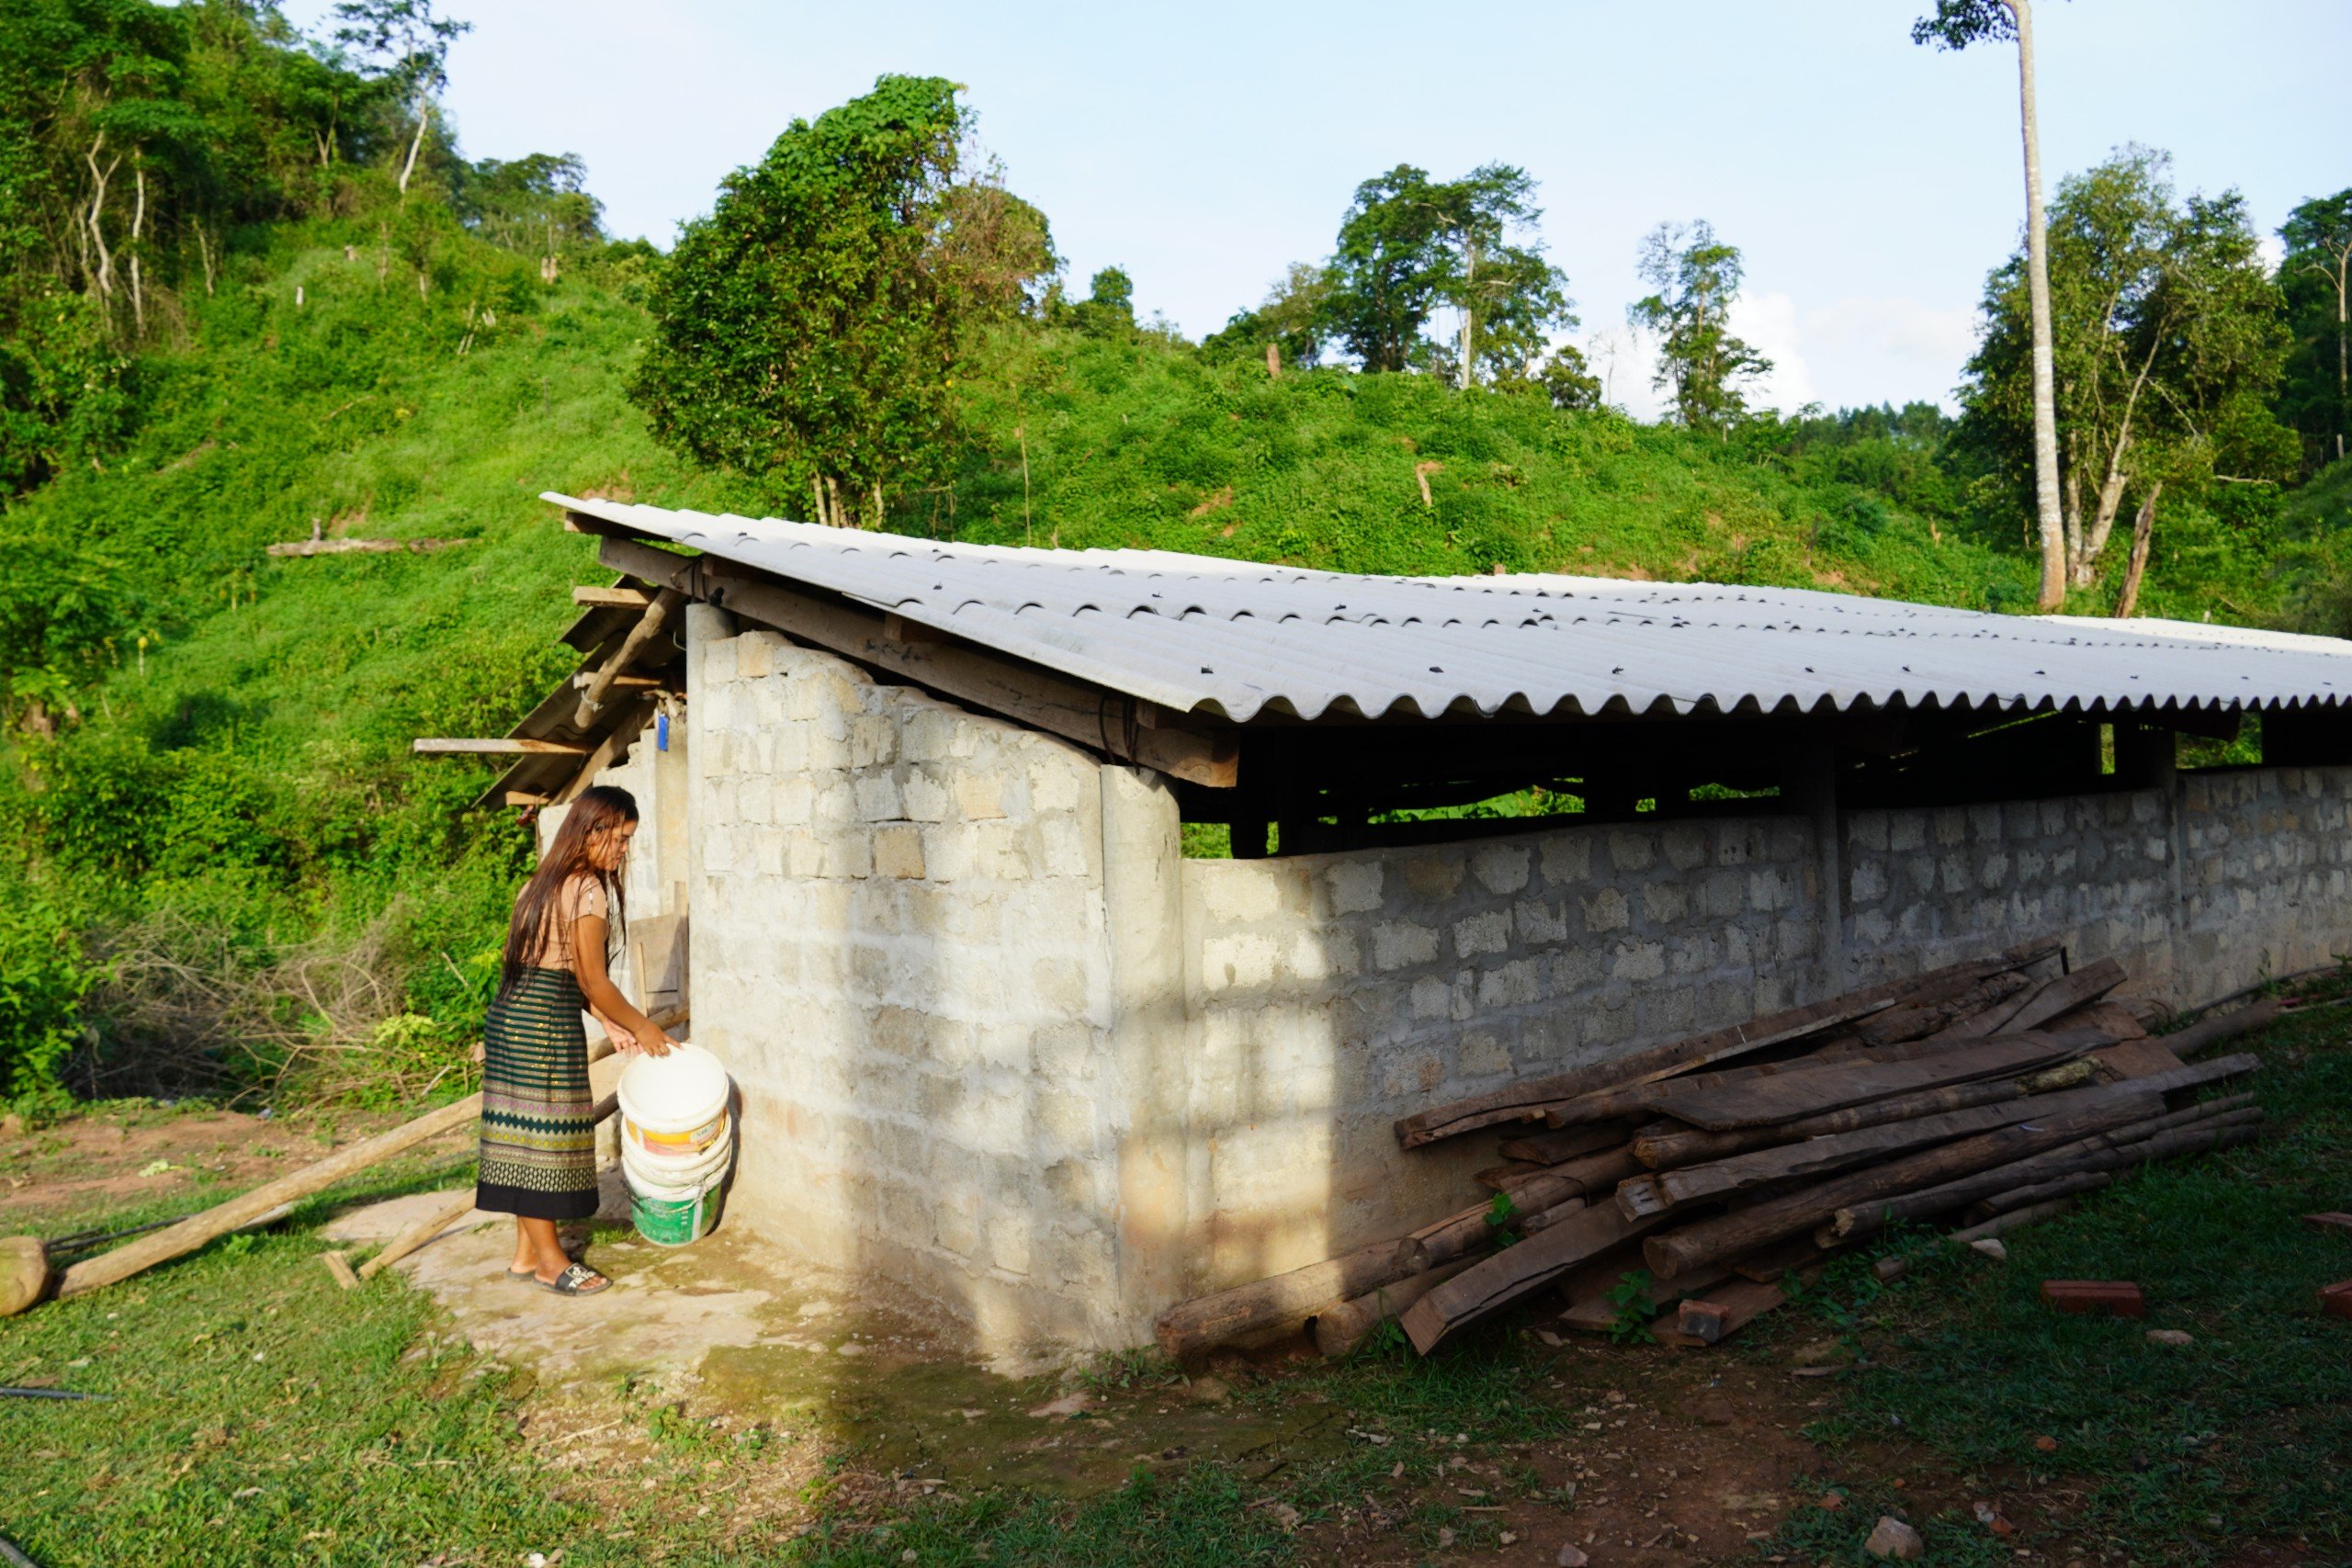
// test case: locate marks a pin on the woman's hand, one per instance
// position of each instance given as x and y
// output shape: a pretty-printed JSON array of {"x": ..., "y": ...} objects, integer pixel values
[{"x": 656, "y": 1043}]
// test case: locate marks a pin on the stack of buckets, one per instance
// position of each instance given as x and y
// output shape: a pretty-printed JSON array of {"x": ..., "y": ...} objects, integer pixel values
[{"x": 677, "y": 1141}]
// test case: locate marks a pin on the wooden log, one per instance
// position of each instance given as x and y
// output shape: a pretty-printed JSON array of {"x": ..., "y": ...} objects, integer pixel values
[
  {"x": 161, "y": 1247},
  {"x": 2015, "y": 1219},
  {"x": 649, "y": 625},
  {"x": 1551, "y": 1149},
  {"x": 1788, "y": 1098},
  {"x": 1671, "y": 1190},
  {"x": 1916, "y": 1020},
  {"x": 1045, "y": 699},
  {"x": 2139, "y": 1058},
  {"x": 609, "y": 751},
  {"x": 587, "y": 678},
  {"x": 1211, "y": 1320},
  {"x": 1530, "y": 1096},
  {"x": 502, "y": 746},
  {"x": 363, "y": 546},
  {"x": 1507, "y": 1275},
  {"x": 2130, "y": 1142},
  {"x": 1342, "y": 1328},
  {"x": 1731, "y": 1235},
  {"x": 1473, "y": 1229},
  {"x": 1494, "y": 1177},
  {"x": 2203, "y": 1036},
  {"x": 448, "y": 1213},
  {"x": 1722, "y": 1312},
  {"x": 339, "y": 1265},
  {"x": 2083, "y": 1168},
  {"x": 1597, "y": 1311}
]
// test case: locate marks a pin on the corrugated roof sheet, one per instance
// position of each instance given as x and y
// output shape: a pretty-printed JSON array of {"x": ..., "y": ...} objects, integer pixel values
[{"x": 1238, "y": 639}]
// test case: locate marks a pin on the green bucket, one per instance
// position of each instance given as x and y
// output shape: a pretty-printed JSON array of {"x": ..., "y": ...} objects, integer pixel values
[{"x": 667, "y": 1224}]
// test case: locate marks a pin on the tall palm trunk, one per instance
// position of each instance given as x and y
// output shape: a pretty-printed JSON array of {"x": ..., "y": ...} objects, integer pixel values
[{"x": 2037, "y": 272}]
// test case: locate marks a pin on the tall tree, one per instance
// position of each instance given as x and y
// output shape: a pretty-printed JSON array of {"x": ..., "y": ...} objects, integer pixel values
[
  {"x": 2316, "y": 274},
  {"x": 2168, "y": 341},
  {"x": 408, "y": 43},
  {"x": 803, "y": 327},
  {"x": 1411, "y": 245},
  {"x": 1291, "y": 321},
  {"x": 1956, "y": 24},
  {"x": 1387, "y": 268},
  {"x": 1694, "y": 277}
]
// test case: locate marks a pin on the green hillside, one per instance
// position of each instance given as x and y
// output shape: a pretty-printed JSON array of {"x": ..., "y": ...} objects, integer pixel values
[{"x": 234, "y": 879}]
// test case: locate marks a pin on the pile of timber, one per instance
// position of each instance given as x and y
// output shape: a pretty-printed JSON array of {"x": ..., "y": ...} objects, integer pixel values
[{"x": 1662, "y": 1188}]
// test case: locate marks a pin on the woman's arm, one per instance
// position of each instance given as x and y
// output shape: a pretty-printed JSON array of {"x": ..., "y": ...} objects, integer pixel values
[{"x": 588, "y": 936}]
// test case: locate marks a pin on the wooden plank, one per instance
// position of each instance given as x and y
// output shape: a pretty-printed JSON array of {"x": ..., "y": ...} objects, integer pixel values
[
  {"x": 2064, "y": 994},
  {"x": 448, "y": 1213},
  {"x": 1723, "y": 1311},
  {"x": 526, "y": 797},
  {"x": 1551, "y": 1149},
  {"x": 1841, "y": 1151},
  {"x": 2138, "y": 1058},
  {"x": 619, "y": 598},
  {"x": 2106, "y": 1017},
  {"x": 339, "y": 1265},
  {"x": 1043, "y": 699},
  {"x": 1597, "y": 1312},
  {"x": 503, "y": 746},
  {"x": 1786, "y": 1098},
  {"x": 1531, "y": 1096},
  {"x": 1735, "y": 1234},
  {"x": 1667, "y": 1151},
  {"x": 1512, "y": 1272}
]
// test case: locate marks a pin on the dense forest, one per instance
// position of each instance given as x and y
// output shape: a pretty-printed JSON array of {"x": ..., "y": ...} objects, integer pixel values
[{"x": 252, "y": 291}]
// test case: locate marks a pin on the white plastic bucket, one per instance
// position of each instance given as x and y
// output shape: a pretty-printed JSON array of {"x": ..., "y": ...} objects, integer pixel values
[
  {"x": 654, "y": 1171},
  {"x": 674, "y": 1105}
]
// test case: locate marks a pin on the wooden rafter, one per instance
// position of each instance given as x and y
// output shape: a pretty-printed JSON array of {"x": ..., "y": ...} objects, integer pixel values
[
  {"x": 1123, "y": 727},
  {"x": 503, "y": 746}
]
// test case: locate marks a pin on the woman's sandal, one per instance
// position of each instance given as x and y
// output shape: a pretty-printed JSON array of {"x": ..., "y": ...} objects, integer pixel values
[
  {"x": 576, "y": 1281},
  {"x": 523, "y": 1276}
]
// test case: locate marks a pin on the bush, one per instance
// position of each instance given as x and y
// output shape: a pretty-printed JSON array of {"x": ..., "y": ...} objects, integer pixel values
[{"x": 43, "y": 977}]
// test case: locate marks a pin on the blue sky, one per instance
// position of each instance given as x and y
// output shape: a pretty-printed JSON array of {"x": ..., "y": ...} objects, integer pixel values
[{"x": 1870, "y": 182}]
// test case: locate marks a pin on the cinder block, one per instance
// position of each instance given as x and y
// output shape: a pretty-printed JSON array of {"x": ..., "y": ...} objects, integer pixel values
[
  {"x": 1396, "y": 945},
  {"x": 1435, "y": 874},
  {"x": 1566, "y": 857},
  {"x": 1632, "y": 852},
  {"x": 1501, "y": 869},
  {"x": 1487, "y": 932},
  {"x": 898, "y": 850}
]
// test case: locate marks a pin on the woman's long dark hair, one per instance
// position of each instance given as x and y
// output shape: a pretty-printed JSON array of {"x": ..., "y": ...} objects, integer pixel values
[{"x": 595, "y": 811}]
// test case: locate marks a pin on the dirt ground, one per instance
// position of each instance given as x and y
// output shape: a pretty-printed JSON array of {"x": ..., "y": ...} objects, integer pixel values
[{"x": 1676, "y": 1458}]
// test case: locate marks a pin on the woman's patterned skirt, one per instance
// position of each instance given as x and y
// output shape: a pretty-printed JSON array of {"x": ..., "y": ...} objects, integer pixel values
[{"x": 538, "y": 1128}]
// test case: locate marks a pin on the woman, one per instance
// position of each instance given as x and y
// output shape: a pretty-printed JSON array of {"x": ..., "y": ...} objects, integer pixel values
[{"x": 538, "y": 1127}]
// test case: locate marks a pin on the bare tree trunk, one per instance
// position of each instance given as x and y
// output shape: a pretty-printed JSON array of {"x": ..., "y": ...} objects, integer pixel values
[
  {"x": 817, "y": 489},
  {"x": 2343, "y": 386},
  {"x": 204, "y": 255},
  {"x": 839, "y": 518},
  {"x": 137, "y": 224},
  {"x": 1274, "y": 361},
  {"x": 879, "y": 516},
  {"x": 98, "y": 179},
  {"x": 2037, "y": 273},
  {"x": 416, "y": 142},
  {"x": 1469, "y": 312},
  {"x": 2144, "y": 525}
]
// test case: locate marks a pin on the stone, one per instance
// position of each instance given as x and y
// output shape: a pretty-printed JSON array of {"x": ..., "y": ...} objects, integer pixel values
[
  {"x": 2179, "y": 1338},
  {"x": 1061, "y": 1409},
  {"x": 1571, "y": 1558},
  {"x": 1209, "y": 1390},
  {"x": 1893, "y": 1538},
  {"x": 2046, "y": 1444},
  {"x": 24, "y": 1273},
  {"x": 1990, "y": 1248}
]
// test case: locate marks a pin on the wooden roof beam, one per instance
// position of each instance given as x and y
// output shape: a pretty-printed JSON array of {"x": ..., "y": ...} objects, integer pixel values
[
  {"x": 1087, "y": 715},
  {"x": 504, "y": 746}
]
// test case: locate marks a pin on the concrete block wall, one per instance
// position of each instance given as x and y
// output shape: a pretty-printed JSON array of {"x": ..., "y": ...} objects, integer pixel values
[
  {"x": 1332, "y": 994},
  {"x": 901, "y": 949},
  {"x": 1002, "y": 1045}
]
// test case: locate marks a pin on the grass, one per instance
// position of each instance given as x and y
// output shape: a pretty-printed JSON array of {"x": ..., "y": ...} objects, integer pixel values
[
  {"x": 373, "y": 1435},
  {"x": 2162, "y": 1453}
]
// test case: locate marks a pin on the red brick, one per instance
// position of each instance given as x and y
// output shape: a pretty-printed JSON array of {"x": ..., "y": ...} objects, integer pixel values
[
  {"x": 1703, "y": 1320},
  {"x": 2336, "y": 1299},
  {"x": 2116, "y": 1298}
]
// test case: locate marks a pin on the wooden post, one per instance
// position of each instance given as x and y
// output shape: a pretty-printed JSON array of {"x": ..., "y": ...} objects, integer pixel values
[{"x": 648, "y": 627}]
